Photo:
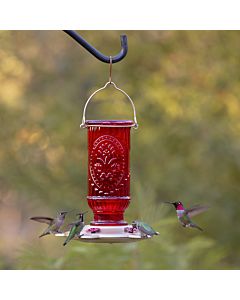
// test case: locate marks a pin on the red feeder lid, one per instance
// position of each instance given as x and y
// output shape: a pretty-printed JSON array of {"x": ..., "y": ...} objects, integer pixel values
[{"x": 110, "y": 123}]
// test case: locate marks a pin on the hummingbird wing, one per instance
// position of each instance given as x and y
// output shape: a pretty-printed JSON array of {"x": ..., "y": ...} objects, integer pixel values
[
  {"x": 79, "y": 230},
  {"x": 45, "y": 220},
  {"x": 147, "y": 229},
  {"x": 71, "y": 234},
  {"x": 196, "y": 210},
  {"x": 195, "y": 226}
]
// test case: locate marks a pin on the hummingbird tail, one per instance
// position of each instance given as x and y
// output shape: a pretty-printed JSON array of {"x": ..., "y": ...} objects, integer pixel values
[
  {"x": 196, "y": 226},
  {"x": 43, "y": 234},
  {"x": 66, "y": 241}
]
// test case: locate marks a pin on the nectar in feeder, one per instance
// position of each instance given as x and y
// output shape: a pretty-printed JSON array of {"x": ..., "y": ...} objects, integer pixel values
[{"x": 108, "y": 170}]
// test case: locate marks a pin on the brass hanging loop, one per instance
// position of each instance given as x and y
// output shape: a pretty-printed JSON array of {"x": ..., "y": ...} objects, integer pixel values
[{"x": 135, "y": 124}]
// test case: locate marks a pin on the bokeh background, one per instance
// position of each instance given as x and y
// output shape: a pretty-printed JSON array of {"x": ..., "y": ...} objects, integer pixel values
[{"x": 185, "y": 85}]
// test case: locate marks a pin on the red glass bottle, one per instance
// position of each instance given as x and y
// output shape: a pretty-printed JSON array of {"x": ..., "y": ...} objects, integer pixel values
[{"x": 108, "y": 170}]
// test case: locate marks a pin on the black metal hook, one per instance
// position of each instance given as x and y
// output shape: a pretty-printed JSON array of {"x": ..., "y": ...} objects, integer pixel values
[{"x": 98, "y": 54}]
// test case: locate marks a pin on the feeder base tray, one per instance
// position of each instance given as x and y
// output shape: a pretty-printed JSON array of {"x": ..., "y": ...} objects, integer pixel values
[{"x": 108, "y": 234}]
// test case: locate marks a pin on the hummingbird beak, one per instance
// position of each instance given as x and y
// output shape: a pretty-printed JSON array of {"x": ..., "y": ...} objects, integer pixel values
[
  {"x": 82, "y": 213},
  {"x": 173, "y": 203},
  {"x": 66, "y": 212}
]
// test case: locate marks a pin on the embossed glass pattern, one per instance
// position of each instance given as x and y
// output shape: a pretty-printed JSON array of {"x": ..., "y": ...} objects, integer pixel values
[{"x": 108, "y": 170}]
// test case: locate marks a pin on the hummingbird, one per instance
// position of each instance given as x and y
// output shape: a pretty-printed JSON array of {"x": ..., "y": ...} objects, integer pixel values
[
  {"x": 54, "y": 224},
  {"x": 76, "y": 228},
  {"x": 184, "y": 215},
  {"x": 144, "y": 228}
]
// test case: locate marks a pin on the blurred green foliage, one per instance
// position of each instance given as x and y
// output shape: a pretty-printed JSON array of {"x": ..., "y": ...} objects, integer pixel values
[{"x": 185, "y": 85}]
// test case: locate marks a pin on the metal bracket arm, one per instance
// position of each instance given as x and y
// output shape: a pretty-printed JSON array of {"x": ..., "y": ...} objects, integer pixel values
[{"x": 98, "y": 54}]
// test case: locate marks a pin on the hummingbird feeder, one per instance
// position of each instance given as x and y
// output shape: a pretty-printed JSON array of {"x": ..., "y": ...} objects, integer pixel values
[{"x": 108, "y": 167}]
